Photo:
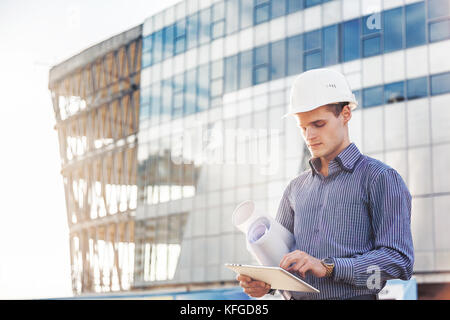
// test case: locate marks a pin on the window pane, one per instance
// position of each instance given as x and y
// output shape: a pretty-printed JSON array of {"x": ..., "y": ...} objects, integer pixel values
[
  {"x": 439, "y": 30},
  {"x": 157, "y": 50},
  {"x": 394, "y": 92},
  {"x": 415, "y": 24},
  {"x": 245, "y": 69},
  {"x": 330, "y": 45},
  {"x": 231, "y": 74},
  {"x": 313, "y": 60},
  {"x": 168, "y": 41},
  {"x": 180, "y": 45},
  {"x": 295, "y": 55},
  {"x": 147, "y": 43},
  {"x": 246, "y": 13},
  {"x": 310, "y": 3},
  {"x": 180, "y": 28},
  {"x": 438, "y": 8},
  {"x": 156, "y": 99},
  {"x": 261, "y": 74},
  {"x": 205, "y": 26},
  {"x": 294, "y": 5},
  {"x": 191, "y": 91},
  {"x": 372, "y": 96},
  {"x": 312, "y": 40},
  {"x": 261, "y": 55},
  {"x": 192, "y": 31},
  {"x": 217, "y": 69},
  {"x": 278, "y": 8},
  {"x": 371, "y": 46},
  {"x": 167, "y": 97},
  {"x": 218, "y": 29},
  {"x": 351, "y": 38},
  {"x": 371, "y": 23},
  {"x": 278, "y": 60},
  {"x": 417, "y": 88},
  {"x": 146, "y": 59},
  {"x": 203, "y": 87},
  {"x": 216, "y": 87},
  {"x": 177, "y": 110},
  {"x": 393, "y": 30},
  {"x": 262, "y": 13},
  {"x": 218, "y": 11},
  {"x": 357, "y": 94},
  {"x": 232, "y": 16},
  {"x": 440, "y": 83}
]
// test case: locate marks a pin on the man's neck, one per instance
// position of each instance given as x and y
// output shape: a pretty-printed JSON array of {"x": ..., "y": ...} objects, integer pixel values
[{"x": 324, "y": 161}]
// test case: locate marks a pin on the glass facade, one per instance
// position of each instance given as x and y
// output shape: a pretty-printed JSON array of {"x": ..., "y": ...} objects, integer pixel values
[{"x": 214, "y": 82}]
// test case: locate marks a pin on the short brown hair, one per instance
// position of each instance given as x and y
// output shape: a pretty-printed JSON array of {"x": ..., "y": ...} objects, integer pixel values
[{"x": 336, "y": 108}]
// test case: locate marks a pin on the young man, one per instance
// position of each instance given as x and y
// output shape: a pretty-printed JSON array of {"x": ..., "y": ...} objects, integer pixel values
[{"x": 350, "y": 214}]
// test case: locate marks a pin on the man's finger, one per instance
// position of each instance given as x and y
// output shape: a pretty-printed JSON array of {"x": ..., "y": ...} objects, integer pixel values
[
  {"x": 305, "y": 268},
  {"x": 241, "y": 277}
]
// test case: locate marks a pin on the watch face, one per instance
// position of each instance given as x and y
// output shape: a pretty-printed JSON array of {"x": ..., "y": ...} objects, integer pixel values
[{"x": 328, "y": 261}]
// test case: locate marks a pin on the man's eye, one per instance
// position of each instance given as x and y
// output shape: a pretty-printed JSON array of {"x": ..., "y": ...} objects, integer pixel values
[{"x": 321, "y": 124}]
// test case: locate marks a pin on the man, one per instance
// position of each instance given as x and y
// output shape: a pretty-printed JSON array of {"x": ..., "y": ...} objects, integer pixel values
[{"x": 350, "y": 214}]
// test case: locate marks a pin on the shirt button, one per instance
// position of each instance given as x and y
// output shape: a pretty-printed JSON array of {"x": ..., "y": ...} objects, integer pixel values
[{"x": 316, "y": 230}]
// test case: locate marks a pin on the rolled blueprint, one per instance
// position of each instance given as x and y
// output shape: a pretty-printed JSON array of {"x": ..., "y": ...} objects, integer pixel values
[{"x": 267, "y": 240}]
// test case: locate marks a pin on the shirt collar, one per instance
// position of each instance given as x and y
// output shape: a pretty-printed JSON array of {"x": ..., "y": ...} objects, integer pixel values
[{"x": 346, "y": 159}]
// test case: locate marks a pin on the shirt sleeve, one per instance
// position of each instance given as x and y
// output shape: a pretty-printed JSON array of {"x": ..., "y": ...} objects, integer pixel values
[
  {"x": 285, "y": 213},
  {"x": 393, "y": 253}
]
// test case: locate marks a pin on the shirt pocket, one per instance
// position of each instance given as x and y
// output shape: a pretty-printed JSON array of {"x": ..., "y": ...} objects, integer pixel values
[{"x": 348, "y": 223}]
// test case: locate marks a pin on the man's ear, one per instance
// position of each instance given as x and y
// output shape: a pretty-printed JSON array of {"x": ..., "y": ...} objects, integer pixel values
[{"x": 346, "y": 114}]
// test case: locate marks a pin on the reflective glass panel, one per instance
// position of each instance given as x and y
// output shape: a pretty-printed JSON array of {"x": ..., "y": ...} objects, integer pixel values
[
  {"x": 417, "y": 88},
  {"x": 394, "y": 92},
  {"x": 372, "y": 96}
]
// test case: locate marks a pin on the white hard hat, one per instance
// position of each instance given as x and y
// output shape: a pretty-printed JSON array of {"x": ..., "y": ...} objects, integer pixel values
[{"x": 318, "y": 87}]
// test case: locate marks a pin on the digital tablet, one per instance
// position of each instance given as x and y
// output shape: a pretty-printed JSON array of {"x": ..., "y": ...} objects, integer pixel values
[{"x": 277, "y": 277}]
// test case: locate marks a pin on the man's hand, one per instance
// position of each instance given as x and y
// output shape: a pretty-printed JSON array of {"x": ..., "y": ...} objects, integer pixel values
[
  {"x": 302, "y": 262},
  {"x": 253, "y": 288}
]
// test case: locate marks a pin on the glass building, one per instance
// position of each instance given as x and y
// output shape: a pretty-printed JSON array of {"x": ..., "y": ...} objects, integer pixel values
[{"x": 214, "y": 81}]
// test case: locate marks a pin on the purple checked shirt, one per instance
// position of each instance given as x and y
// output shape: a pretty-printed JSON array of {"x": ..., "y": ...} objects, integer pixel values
[{"x": 359, "y": 215}]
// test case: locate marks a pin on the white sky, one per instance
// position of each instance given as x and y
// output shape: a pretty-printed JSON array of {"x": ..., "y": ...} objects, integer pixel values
[{"x": 34, "y": 35}]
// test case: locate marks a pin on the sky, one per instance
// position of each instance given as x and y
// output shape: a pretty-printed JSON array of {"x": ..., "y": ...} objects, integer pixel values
[{"x": 35, "y": 35}]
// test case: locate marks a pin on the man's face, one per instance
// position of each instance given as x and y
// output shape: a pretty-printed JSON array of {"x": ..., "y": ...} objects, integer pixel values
[{"x": 322, "y": 131}]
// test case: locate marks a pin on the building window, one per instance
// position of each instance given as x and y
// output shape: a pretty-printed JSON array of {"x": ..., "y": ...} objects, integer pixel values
[
  {"x": 372, "y": 96},
  {"x": 246, "y": 13},
  {"x": 178, "y": 95},
  {"x": 231, "y": 74},
  {"x": 169, "y": 34},
  {"x": 158, "y": 47},
  {"x": 216, "y": 79},
  {"x": 203, "y": 87},
  {"x": 394, "y": 92},
  {"x": 415, "y": 24},
  {"x": 245, "y": 69},
  {"x": 232, "y": 16},
  {"x": 262, "y": 11},
  {"x": 295, "y": 55},
  {"x": 180, "y": 36},
  {"x": 166, "y": 110},
  {"x": 192, "y": 31},
  {"x": 191, "y": 92},
  {"x": 147, "y": 48},
  {"x": 205, "y": 26},
  {"x": 439, "y": 30},
  {"x": 371, "y": 35},
  {"x": 278, "y": 59},
  {"x": 278, "y": 8},
  {"x": 417, "y": 88},
  {"x": 440, "y": 83},
  {"x": 393, "y": 29},
  {"x": 351, "y": 40},
  {"x": 155, "y": 104},
  {"x": 330, "y": 45},
  {"x": 310, "y": 3},
  {"x": 218, "y": 20},
  {"x": 438, "y": 8},
  {"x": 313, "y": 60},
  {"x": 261, "y": 64},
  {"x": 294, "y": 5}
]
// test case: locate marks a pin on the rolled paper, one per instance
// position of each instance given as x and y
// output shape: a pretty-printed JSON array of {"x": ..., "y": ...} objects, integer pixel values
[{"x": 266, "y": 239}]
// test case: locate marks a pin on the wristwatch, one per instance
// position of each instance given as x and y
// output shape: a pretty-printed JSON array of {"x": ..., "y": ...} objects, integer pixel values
[{"x": 328, "y": 263}]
